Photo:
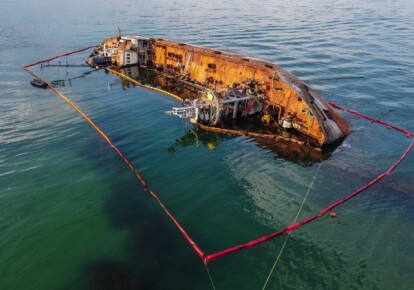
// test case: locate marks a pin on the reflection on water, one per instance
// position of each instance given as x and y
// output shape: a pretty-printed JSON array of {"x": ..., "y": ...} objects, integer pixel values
[
  {"x": 284, "y": 149},
  {"x": 285, "y": 144},
  {"x": 73, "y": 216}
]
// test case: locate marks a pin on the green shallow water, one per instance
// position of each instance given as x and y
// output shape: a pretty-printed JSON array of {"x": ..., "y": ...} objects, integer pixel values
[{"x": 74, "y": 217}]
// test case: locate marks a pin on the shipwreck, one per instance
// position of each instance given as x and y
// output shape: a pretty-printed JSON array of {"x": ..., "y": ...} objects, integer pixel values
[
  {"x": 217, "y": 89},
  {"x": 228, "y": 92}
]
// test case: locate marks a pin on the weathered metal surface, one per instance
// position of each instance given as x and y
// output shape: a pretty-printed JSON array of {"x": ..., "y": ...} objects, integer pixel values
[
  {"x": 220, "y": 71},
  {"x": 285, "y": 144}
]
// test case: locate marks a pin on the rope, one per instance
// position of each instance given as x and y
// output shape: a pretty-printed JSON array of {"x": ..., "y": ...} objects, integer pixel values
[
  {"x": 208, "y": 258},
  {"x": 288, "y": 235},
  {"x": 209, "y": 275},
  {"x": 276, "y": 261}
]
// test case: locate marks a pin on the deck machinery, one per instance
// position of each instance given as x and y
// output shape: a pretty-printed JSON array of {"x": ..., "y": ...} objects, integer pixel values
[{"x": 230, "y": 86}]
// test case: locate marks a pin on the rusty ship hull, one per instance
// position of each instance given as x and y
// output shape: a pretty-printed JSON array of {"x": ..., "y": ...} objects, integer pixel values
[{"x": 231, "y": 86}]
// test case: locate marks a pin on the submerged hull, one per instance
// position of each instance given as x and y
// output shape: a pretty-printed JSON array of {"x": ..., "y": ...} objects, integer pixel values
[{"x": 231, "y": 86}]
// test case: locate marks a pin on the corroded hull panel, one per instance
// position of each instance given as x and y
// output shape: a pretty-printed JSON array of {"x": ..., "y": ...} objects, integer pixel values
[{"x": 291, "y": 101}]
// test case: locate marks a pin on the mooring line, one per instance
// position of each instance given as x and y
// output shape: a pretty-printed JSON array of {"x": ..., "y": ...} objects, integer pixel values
[
  {"x": 288, "y": 235},
  {"x": 209, "y": 275},
  {"x": 209, "y": 258}
]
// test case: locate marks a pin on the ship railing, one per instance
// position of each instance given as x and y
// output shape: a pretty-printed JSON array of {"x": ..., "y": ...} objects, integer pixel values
[{"x": 182, "y": 112}]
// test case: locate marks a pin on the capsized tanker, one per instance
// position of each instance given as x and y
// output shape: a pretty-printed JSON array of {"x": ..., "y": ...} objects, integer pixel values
[{"x": 229, "y": 87}]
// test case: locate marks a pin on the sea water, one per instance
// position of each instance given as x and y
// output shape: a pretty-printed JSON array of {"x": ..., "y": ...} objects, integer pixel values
[{"x": 74, "y": 217}]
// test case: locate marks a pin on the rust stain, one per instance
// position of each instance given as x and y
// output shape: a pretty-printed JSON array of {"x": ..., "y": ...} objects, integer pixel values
[{"x": 220, "y": 71}]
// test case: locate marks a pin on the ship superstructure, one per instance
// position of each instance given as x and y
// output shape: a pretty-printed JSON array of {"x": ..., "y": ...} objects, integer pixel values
[{"x": 230, "y": 86}]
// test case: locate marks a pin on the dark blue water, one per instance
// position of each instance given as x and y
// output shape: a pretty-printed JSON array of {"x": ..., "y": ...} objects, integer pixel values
[{"x": 74, "y": 217}]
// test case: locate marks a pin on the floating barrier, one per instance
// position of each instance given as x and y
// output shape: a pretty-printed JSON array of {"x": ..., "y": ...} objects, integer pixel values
[{"x": 211, "y": 257}]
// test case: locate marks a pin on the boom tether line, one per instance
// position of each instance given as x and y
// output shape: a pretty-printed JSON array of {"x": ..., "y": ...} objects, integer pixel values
[{"x": 288, "y": 235}]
